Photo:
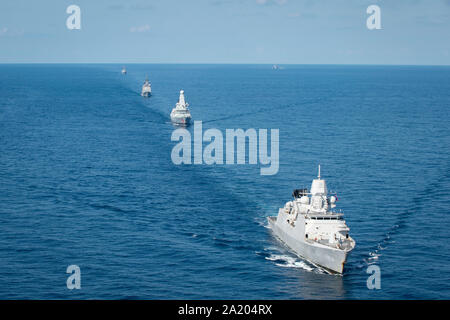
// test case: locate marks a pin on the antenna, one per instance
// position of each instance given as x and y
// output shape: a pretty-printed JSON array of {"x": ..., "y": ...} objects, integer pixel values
[{"x": 319, "y": 173}]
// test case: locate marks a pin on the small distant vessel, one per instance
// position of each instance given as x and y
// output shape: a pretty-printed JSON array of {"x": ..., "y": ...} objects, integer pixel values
[
  {"x": 180, "y": 115},
  {"x": 146, "y": 88},
  {"x": 312, "y": 230},
  {"x": 124, "y": 70},
  {"x": 275, "y": 67}
]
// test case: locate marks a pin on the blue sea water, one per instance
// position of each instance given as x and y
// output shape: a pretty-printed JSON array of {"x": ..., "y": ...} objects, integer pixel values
[{"x": 86, "y": 178}]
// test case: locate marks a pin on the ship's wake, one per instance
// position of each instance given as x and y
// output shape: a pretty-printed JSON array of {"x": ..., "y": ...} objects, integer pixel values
[
  {"x": 289, "y": 262},
  {"x": 373, "y": 255},
  {"x": 263, "y": 110},
  {"x": 283, "y": 258},
  {"x": 416, "y": 207}
]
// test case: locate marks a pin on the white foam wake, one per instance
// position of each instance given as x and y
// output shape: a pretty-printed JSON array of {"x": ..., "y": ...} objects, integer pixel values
[{"x": 289, "y": 262}]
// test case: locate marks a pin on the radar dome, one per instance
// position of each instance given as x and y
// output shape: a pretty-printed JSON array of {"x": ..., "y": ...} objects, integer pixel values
[{"x": 304, "y": 200}]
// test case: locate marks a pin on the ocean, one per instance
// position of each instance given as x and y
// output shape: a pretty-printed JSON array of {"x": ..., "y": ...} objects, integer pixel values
[{"x": 87, "y": 179}]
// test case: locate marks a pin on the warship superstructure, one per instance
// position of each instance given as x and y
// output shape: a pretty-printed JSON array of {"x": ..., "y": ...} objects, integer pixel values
[
  {"x": 312, "y": 230},
  {"x": 181, "y": 115}
]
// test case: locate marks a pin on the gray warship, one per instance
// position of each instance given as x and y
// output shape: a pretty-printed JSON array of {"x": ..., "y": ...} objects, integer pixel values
[
  {"x": 312, "y": 230},
  {"x": 146, "y": 88},
  {"x": 181, "y": 115}
]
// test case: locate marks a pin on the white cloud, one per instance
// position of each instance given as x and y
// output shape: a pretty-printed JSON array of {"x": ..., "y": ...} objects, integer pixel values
[{"x": 143, "y": 28}]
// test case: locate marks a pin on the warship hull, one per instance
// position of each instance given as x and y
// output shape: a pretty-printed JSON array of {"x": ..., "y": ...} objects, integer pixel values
[
  {"x": 182, "y": 121},
  {"x": 331, "y": 259}
]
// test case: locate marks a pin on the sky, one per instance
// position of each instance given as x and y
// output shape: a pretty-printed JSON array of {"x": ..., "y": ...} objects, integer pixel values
[{"x": 413, "y": 32}]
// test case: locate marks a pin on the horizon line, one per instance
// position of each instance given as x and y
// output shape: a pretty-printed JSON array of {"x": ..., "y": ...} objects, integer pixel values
[{"x": 237, "y": 63}]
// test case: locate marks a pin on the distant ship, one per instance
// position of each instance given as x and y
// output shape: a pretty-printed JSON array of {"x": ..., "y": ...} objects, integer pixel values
[
  {"x": 146, "y": 88},
  {"x": 124, "y": 70},
  {"x": 275, "y": 67},
  {"x": 311, "y": 230},
  {"x": 180, "y": 115}
]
